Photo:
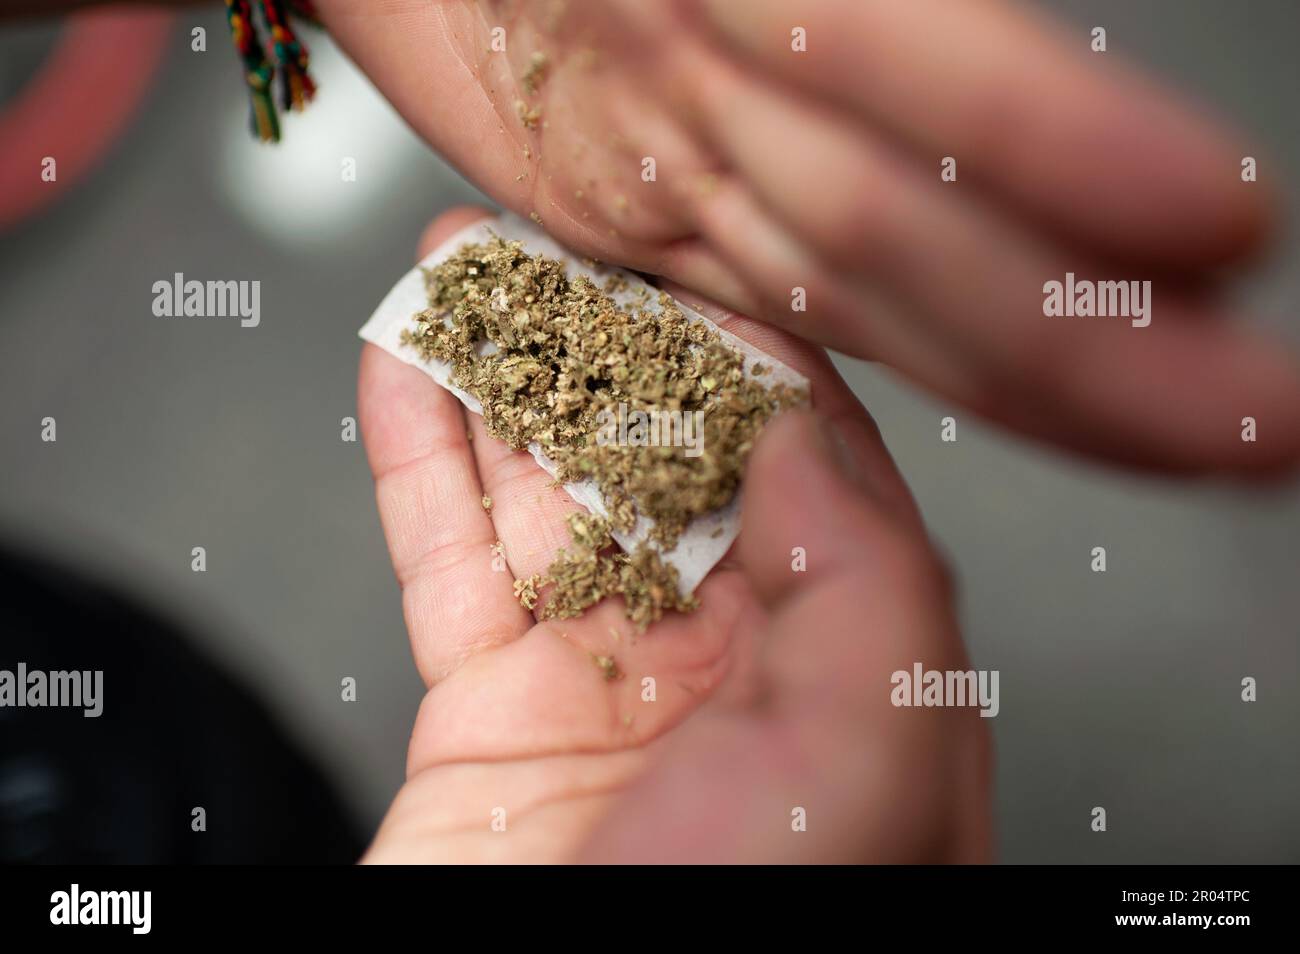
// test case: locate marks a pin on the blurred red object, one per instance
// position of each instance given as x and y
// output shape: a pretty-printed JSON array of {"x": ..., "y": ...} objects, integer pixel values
[{"x": 77, "y": 104}]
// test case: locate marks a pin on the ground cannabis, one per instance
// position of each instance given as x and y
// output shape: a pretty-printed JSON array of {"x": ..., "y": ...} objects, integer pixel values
[
  {"x": 591, "y": 568},
  {"x": 526, "y": 591},
  {"x": 528, "y": 115},
  {"x": 608, "y": 667},
  {"x": 551, "y": 359},
  {"x": 535, "y": 73}
]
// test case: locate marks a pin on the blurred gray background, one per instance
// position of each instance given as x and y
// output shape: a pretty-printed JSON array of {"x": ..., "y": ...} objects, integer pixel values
[{"x": 1118, "y": 689}]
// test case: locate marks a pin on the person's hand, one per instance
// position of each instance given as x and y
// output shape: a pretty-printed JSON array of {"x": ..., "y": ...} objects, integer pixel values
[
  {"x": 773, "y": 697},
  {"x": 777, "y": 169}
]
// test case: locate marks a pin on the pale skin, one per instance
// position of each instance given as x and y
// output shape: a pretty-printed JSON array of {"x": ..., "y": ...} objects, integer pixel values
[
  {"x": 775, "y": 170},
  {"x": 773, "y": 699},
  {"x": 821, "y": 170}
]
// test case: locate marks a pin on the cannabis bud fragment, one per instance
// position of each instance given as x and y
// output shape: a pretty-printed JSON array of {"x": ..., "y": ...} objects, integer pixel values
[{"x": 646, "y": 412}]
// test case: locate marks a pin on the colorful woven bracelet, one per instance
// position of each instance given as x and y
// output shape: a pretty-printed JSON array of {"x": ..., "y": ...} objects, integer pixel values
[{"x": 288, "y": 60}]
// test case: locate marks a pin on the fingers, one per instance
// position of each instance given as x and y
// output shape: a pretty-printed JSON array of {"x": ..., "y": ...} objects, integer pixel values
[
  {"x": 832, "y": 399},
  {"x": 854, "y": 596},
  {"x": 429, "y": 499},
  {"x": 843, "y": 312},
  {"x": 529, "y": 511},
  {"x": 438, "y": 816},
  {"x": 1171, "y": 395},
  {"x": 1025, "y": 106}
]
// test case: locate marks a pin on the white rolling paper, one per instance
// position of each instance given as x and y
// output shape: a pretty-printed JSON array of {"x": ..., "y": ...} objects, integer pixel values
[{"x": 710, "y": 535}]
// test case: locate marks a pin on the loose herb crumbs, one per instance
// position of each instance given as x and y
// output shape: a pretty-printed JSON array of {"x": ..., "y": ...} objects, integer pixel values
[
  {"x": 536, "y": 72},
  {"x": 528, "y": 115},
  {"x": 591, "y": 569},
  {"x": 608, "y": 667},
  {"x": 545, "y": 354}
]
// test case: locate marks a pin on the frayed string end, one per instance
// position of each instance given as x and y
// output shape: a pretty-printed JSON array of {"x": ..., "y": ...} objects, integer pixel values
[{"x": 291, "y": 61}]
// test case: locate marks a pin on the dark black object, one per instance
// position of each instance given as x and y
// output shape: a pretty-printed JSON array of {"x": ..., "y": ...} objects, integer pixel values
[{"x": 175, "y": 733}]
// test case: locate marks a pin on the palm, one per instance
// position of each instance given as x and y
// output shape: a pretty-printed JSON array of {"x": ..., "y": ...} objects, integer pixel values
[
  {"x": 520, "y": 715},
  {"x": 820, "y": 170},
  {"x": 548, "y": 739}
]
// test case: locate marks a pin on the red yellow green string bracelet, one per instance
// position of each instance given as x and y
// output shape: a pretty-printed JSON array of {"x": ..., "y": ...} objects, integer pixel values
[{"x": 287, "y": 62}]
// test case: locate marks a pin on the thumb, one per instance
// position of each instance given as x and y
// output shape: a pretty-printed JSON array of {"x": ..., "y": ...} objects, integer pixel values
[
  {"x": 820, "y": 507},
  {"x": 822, "y": 741},
  {"x": 856, "y": 593}
]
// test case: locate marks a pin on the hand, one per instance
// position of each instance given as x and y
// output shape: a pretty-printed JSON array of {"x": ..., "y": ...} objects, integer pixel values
[
  {"x": 821, "y": 170},
  {"x": 773, "y": 696}
]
